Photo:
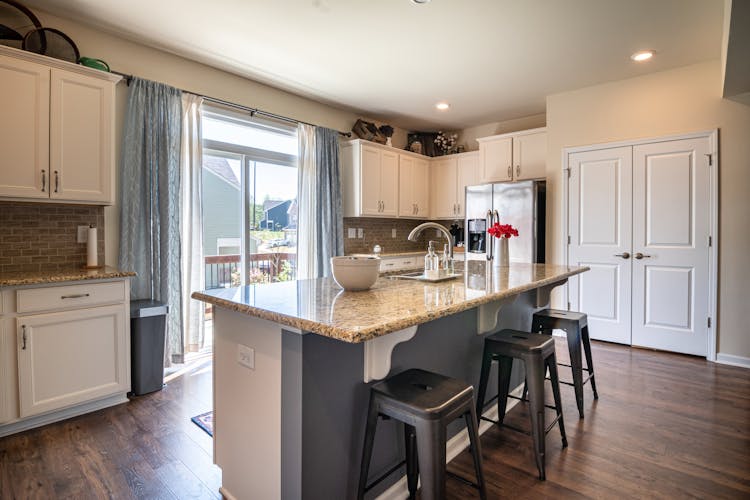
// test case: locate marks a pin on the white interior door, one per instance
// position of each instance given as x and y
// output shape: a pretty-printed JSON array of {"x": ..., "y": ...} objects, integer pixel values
[
  {"x": 600, "y": 200},
  {"x": 671, "y": 211}
]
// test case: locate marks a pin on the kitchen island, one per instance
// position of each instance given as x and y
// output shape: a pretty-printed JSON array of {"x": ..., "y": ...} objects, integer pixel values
[{"x": 293, "y": 362}]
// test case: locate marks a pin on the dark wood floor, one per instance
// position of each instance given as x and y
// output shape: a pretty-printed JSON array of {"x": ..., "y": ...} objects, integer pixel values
[{"x": 665, "y": 426}]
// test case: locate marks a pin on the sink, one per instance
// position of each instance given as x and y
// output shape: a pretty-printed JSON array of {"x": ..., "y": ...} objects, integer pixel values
[{"x": 420, "y": 276}]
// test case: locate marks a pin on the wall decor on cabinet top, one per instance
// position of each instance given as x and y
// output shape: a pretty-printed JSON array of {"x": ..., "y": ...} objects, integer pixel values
[{"x": 57, "y": 131}]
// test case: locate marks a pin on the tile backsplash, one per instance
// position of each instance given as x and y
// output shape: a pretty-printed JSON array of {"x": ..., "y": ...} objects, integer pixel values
[
  {"x": 42, "y": 236},
  {"x": 379, "y": 232}
]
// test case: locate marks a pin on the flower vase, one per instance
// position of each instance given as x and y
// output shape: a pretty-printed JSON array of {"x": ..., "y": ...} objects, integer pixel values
[
  {"x": 501, "y": 255},
  {"x": 388, "y": 141}
]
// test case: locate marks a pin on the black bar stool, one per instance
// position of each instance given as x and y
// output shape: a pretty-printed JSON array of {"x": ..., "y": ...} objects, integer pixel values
[
  {"x": 426, "y": 403},
  {"x": 538, "y": 354},
  {"x": 577, "y": 333}
]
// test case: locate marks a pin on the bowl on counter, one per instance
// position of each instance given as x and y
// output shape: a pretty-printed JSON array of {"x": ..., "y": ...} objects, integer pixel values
[{"x": 355, "y": 272}]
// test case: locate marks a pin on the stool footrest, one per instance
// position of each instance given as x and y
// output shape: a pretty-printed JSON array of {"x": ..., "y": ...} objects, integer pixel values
[
  {"x": 526, "y": 401},
  {"x": 571, "y": 383},
  {"x": 385, "y": 475},
  {"x": 462, "y": 479},
  {"x": 584, "y": 368},
  {"x": 552, "y": 424}
]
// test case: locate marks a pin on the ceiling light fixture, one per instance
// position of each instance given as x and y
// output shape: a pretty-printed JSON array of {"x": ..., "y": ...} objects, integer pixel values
[
  {"x": 442, "y": 106},
  {"x": 420, "y": 2},
  {"x": 642, "y": 55}
]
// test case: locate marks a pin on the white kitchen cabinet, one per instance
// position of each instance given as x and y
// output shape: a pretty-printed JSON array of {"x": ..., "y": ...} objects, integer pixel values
[
  {"x": 57, "y": 132},
  {"x": 370, "y": 180},
  {"x": 71, "y": 357},
  {"x": 413, "y": 187},
  {"x": 513, "y": 157},
  {"x": 448, "y": 180},
  {"x": 64, "y": 351}
]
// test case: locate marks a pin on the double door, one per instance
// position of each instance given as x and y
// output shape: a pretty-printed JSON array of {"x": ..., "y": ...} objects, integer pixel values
[{"x": 640, "y": 218}]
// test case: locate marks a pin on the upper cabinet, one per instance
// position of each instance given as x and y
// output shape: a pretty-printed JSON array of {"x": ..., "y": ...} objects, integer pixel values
[
  {"x": 513, "y": 157},
  {"x": 413, "y": 187},
  {"x": 370, "y": 176},
  {"x": 57, "y": 132},
  {"x": 449, "y": 176}
]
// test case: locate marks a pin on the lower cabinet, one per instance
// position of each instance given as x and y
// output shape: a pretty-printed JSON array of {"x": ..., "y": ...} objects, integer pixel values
[{"x": 71, "y": 357}]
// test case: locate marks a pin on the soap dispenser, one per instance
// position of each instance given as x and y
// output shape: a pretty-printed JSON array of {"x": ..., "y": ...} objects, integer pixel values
[{"x": 431, "y": 262}]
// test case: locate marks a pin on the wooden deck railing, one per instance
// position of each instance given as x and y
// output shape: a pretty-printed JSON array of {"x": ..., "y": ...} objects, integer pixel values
[{"x": 223, "y": 271}]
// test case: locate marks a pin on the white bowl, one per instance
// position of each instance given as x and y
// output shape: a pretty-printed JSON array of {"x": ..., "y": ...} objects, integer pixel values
[{"x": 355, "y": 272}]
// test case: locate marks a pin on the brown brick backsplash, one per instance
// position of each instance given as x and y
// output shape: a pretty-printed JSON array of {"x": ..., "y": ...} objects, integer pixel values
[
  {"x": 378, "y": 232},
  {"x": 42, "y": 236}
]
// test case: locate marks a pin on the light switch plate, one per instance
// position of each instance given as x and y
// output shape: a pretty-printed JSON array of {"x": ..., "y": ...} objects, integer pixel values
[
  {"x": 246, "y": 356},
  {"x": 360, "y": 232},
  {"x": 393, "y": 232},
  {"x": 83, "y": 234},
  {"x": 351, "y": 232}
]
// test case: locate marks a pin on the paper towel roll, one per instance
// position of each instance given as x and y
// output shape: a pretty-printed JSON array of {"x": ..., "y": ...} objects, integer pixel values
[{"x": 91, "y": 248}]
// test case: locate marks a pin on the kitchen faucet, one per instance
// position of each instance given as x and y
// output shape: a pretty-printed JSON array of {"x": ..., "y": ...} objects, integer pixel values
[{"x": 433, "y": 225}]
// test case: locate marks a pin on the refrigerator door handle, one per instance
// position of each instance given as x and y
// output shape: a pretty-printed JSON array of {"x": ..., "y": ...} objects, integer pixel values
[{"x": 487, "y": 238}]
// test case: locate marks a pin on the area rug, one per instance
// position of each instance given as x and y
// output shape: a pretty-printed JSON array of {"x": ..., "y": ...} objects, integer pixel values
[{"x": 205, "y": 421}]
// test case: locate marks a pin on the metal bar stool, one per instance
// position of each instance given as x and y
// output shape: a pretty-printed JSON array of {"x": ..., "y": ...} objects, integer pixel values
[
  {"x": 538, "y": 354},
  {"x": 426, "y": 403},
  {"x": 577, "y": 333}
]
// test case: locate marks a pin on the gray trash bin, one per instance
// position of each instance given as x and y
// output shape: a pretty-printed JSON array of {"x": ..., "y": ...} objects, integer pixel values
[{"x": 148, "y": 320}]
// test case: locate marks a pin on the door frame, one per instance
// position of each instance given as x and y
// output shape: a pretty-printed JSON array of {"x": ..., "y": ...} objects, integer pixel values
[{"x": 713, "y": 137}]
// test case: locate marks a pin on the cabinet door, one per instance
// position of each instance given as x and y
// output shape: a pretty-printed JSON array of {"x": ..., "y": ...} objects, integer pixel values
[
  {"x": 389, "y": 183},
  {"x": 24, "y": 129},
  {"x": 71, "y": 357},
  {"x": 496, "y": 160},
  {"x": 466, "y": 175},
  {"x": 420, "y": 180},
  {"x": 370, "y": 181},
  {"x": 81, "y": 137},
  {"x": 406, "y": 200},
  {"x": 443, "y": 192},
  {"x": 530, "y": 156}
]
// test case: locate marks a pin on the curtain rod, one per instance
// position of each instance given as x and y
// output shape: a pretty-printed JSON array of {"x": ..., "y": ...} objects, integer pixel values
[{"x": 252, "y": 111}]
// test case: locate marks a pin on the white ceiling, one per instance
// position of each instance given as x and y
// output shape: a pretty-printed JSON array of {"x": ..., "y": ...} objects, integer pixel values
[{"x": 491, "y": 60}]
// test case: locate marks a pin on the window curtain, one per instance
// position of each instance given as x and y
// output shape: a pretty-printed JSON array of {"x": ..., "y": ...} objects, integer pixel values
[
  {"x": 307, "y": 203},
  {"x": 329, "y": 235},
  {"x": 193, "y": 274},
  {"x": 150, "y": 200}
]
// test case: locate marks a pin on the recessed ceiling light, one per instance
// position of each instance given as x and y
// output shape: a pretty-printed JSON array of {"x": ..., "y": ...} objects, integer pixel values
[
  {"x": 642, "y": 55},
  {"x": 442, "y": 106},
  {"x": 420, "y": 2}
]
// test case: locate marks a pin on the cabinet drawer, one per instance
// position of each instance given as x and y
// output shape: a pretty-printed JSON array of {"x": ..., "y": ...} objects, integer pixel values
[
  {"x": 71, "y": 296},
  {"x": 397, "y": 264}
]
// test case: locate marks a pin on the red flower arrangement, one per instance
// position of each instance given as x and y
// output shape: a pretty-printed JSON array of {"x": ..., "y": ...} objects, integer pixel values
[{"x": 502, "y": 230}]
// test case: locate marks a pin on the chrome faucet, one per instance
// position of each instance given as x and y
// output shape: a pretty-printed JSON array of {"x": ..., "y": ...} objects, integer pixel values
[{"x": 433, "y": 225}]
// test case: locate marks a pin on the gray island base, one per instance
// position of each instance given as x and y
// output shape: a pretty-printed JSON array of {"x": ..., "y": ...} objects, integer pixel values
[{"x": 291, "y": 424}]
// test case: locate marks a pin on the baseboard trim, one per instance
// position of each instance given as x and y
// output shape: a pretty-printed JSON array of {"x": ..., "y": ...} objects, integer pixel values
[
  {"x": 225, "y": 494},
  {"x": 731, "y": 359},
  {"x": 454, "y": 446},
  {"x": 49, "y": 418}
]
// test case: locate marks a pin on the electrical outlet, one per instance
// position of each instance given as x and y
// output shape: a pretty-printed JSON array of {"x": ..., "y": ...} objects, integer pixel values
[
  {"x": 360, "y": 233},
  {"x": 246, "y": 356},
  {"x": 351, "y": 232},
  {"x": 393, "y": 232},
  {"x": 83, "y": 234}
]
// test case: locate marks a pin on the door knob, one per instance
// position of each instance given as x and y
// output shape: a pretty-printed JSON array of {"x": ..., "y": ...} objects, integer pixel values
[
  {"x": 624, "y": 255},
  {"x": 640, "y": 256}
]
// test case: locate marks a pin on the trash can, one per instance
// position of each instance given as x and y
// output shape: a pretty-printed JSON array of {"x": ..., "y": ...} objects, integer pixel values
[{"x": 148, "y": 320}]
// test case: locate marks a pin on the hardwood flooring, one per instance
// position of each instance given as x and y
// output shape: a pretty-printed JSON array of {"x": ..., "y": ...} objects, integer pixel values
[{"x": 665, "y": 426}]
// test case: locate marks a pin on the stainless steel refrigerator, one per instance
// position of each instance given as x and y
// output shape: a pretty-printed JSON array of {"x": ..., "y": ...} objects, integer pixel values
[{"x": 521, "y": 204}]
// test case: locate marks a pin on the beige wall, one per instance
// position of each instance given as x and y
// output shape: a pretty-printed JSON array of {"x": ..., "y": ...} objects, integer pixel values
[
  {"x": 683, "y": 100},
  {"x": 152, "y": 64},
  {"x": 469, "y": 136}
]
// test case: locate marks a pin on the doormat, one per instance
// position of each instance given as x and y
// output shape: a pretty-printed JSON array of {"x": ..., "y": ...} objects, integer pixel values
[{"x": 205, "y": 421}]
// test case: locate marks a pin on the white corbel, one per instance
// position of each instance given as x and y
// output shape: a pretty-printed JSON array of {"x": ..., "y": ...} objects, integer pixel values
[
  {"x": 487, "y": 314},
  {"x": 378, "y": 352},
  {"x": 543, "y": 293}
]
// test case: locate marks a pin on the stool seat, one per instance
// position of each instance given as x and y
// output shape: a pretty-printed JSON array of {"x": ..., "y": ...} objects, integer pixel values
[
  {"x": 423, "y": 393},
  {"x": 522, "y": 342},
  {"x": 560, "y": 314}
]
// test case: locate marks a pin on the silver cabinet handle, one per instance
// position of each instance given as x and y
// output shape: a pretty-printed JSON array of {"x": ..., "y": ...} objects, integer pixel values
[
  {"x": 57, "y": 181},
  {"x": 518, "y": 170},
  {"x": 640, "y": 256},
  {"x": 23, "y": 337},
  {"x": 75, "y": 296},
  {"x": 44, "y": 180},
  {"x": 458, "y": 208},
  {"x": 510, "y": 171},
  {"x": 624, "y": 255}
]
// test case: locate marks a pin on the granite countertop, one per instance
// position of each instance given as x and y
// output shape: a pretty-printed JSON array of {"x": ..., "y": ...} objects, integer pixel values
[
  {"x": 320, "y": 306},
  {"x": 61, "y": 276}
]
